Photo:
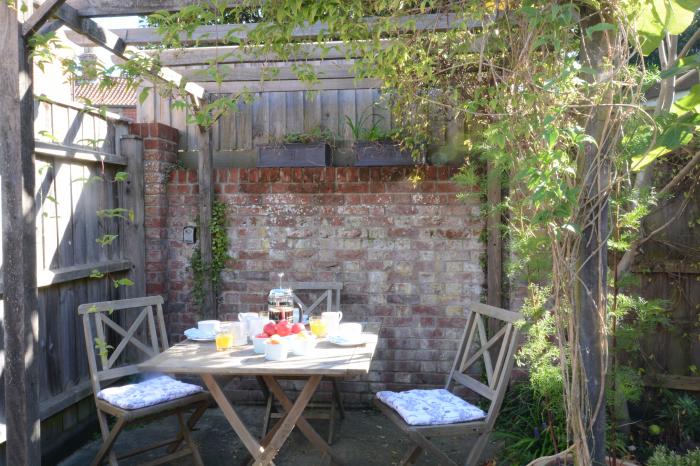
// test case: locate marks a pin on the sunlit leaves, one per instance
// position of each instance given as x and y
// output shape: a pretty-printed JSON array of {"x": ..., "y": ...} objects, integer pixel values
[
  {"x": 657, "y": 17},
  {"x": 122, "y": 282},
  {"x": 106, "y": 240}
]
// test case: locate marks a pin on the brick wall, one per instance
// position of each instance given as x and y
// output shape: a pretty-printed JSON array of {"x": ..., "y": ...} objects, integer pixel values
[
  {"x": 408, "y": 254},
  {"x": 159, "y": 154}
]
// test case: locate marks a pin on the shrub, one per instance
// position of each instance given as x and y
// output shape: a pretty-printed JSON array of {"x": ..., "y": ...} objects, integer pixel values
[{"x": 664, "y": 457}]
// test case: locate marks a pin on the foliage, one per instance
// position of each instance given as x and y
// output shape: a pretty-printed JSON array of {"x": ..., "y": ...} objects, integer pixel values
[
  {"x": 680, "y": 417},
  {"x": 530, "y": 425},
  {"x": 368, "y": 127},
  {"x": 315, "y": 135},
  {"x": 664, "y": 457},
  {"x": 219, "y": 245}
]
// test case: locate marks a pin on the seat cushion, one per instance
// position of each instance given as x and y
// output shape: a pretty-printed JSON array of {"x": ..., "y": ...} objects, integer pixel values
[
  {"x": 430, "y": 407},
  {"x": 147, "y": 393}
]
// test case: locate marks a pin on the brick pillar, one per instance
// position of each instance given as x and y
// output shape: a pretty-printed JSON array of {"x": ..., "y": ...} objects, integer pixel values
[{"x": 160, "y": 144}]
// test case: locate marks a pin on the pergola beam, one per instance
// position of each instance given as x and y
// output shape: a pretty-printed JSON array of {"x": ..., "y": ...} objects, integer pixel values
[
  {"x": 114, "y": 44},
  {"x": 98, "y": 8},
  {"x": 40, "y": 16},
  {"x": 222, "y": 33}
]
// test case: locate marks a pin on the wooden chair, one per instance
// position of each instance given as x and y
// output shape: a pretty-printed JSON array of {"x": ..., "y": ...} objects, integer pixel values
[
  {"x": 327, "y": 300},
  {"x": 330, "y": 294},
  {"x": 111, "y": 368},
  {"x": 497, "y": 366}
]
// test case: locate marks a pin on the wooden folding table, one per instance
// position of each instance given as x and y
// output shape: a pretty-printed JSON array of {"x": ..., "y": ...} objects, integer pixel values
[{"x": 327, "y": 360}]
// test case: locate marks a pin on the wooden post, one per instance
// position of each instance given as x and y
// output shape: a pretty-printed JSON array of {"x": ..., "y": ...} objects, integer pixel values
[
  {"x": 21, "y": 319},
  {"x": 131, "y": 147},
  {"x": 494, "y": 247},
  {"x": 206, "y": 198},
  {"x": 591, "y": 284}
]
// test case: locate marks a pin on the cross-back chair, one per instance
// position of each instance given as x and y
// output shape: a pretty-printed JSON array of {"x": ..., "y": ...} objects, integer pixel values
[
  {"x": 108, "y": 363},
  {"x": 330, "y": 294},
  {"x": 328, "y": 300},
  {"x": 496, "y": 354}
]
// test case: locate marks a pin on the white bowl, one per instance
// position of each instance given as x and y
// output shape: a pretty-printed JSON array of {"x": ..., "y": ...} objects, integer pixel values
[
  {"x": 276, "y": 352},
  {"x": 302, "y": 347},
  {"x": 259, "y": 345},
  {"x": 209, "y": 326}
]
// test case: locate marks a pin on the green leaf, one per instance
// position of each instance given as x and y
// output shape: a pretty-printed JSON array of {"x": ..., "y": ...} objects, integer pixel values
[
  {"x": 123, "y": 282},
  {"x": 96, "y": 274},
  {"x": 657, "y": 17},
  {"x": 121, "y": 176},
  {"x": 598, "y": 28},
  {"x": 684, "y": 64},
  {"x": 640, "y": 162},
  {"x": 688, "y": 103},
  {"x": 106, "y": 240},
  {"x": 143, "y": 95}
]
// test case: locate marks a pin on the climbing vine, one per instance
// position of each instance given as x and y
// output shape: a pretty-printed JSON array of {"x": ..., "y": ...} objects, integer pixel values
[{"x": 219, "y": 245}]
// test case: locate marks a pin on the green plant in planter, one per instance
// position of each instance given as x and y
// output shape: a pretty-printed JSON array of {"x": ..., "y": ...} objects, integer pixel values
[
  {"x": 313, "y": 136},
  {"x": 361, "y": 131}
]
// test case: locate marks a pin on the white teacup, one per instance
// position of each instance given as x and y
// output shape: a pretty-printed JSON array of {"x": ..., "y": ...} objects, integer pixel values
[
  {"x": 209, "y": 326},
  {"x": 350, "y": 329},
  {"x": 332, "y": 321}
]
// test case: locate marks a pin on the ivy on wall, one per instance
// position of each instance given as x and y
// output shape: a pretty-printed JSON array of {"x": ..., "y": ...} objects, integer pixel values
[{"x": 200, "y": 270}]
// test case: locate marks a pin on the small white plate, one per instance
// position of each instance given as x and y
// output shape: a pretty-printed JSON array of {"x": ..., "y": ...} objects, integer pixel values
[
  {"x": 347, "y": 341},
  {"x": 195, "y": 334}
]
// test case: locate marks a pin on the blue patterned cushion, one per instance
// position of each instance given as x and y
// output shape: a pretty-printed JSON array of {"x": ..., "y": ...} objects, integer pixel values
[
  {"x": 430, "y": 407},
  {"x": 147, "y": 393}
]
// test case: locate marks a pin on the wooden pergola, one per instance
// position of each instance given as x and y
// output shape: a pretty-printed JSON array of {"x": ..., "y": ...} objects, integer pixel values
[{"x": 17, "y": 149}]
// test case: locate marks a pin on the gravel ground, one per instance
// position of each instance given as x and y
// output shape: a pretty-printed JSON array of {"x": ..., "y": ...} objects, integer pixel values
[{"x": 364, "y": 437}]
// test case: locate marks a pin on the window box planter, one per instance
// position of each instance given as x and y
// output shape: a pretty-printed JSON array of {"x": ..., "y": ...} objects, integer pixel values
[
  {"x": 379, "y": 154},
  {"x": 294, "y": 155}
]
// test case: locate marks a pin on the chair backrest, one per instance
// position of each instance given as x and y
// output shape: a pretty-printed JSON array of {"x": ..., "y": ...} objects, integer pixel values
[
  {"x": 497, "y": 354},
  {"x": 141, "y": 315},
  {"x": 330, "y": 293}
]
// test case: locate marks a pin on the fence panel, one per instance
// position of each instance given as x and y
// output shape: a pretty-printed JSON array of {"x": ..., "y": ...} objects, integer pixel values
[{"x": 77, "y": 197}]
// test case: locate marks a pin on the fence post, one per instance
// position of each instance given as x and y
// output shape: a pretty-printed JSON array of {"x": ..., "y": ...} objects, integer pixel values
[
  {"x": 21, "y": 317},
  {"x": 131, "y": 147}
]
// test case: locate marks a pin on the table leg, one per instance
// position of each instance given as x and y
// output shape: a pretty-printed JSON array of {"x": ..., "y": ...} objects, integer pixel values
[
  {"x": 251, "y": 444},
  {"x": 295, "y": 410}
]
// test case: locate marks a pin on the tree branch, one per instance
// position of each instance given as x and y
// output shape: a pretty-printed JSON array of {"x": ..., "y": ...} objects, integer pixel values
[{"x": 688, "y": 45}]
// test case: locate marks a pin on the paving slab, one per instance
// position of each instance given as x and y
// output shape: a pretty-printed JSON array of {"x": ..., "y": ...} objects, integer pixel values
[{"x": 364, "y": 437}]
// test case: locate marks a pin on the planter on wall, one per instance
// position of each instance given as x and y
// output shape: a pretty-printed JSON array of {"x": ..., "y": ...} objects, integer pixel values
[
  {"x": 379, "y": 154},
  {"x": 294, "y": 155}
]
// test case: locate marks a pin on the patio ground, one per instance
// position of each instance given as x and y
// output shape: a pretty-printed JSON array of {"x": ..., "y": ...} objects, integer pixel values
[{"x": 365, "y": 437}]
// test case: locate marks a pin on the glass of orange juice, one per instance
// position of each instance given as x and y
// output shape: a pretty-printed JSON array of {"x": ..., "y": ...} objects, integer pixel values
[
  {"x": 224, "y": 338},
  {"x": 318, "y": 326}
]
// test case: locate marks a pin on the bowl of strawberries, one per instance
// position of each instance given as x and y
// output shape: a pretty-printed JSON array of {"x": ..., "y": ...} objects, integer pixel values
[{"x": 273, "y": 341}]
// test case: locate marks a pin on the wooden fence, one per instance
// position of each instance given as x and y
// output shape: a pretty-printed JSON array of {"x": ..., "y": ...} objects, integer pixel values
[
  {"x": 669, "y": 269},
  {"x": 277, "y": 112},
  {"x": 78, "y": 156}
]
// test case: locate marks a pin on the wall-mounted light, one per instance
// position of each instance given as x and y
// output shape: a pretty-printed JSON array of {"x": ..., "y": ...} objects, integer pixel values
[{"x": 189, "y": 234}]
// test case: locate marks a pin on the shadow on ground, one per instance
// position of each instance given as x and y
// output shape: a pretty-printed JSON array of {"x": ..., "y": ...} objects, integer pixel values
[{"x": 365, "y": 437}]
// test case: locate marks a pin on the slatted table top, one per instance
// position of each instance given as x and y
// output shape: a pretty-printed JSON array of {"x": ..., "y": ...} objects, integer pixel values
[{"x": 192, "y": 357}]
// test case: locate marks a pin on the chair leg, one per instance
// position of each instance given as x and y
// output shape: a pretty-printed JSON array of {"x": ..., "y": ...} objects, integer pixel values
[
  {"x": 185, "y": 431},
  {"x": 411, "y": 456},
  {"x": 191, "y": 422},
  {"x": 338, "y": 398},
  {"x": 108, "y": 443},
  {"x": 104, "y": 429},
  {"x": 477, "y": 449}
]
